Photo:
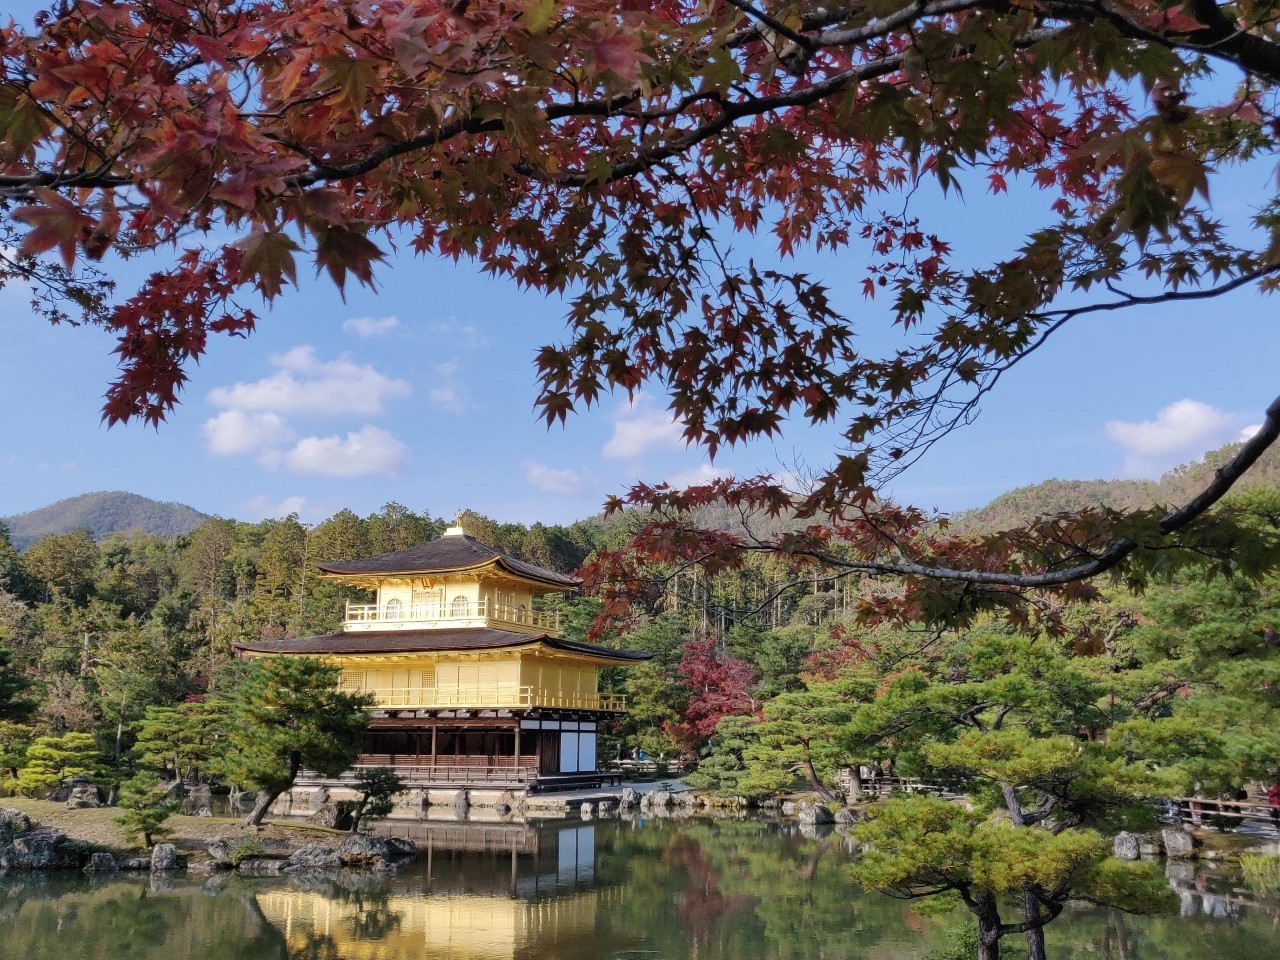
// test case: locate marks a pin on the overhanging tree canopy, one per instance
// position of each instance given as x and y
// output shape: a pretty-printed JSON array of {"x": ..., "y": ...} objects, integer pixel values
[{"x": 605, "y": 150}]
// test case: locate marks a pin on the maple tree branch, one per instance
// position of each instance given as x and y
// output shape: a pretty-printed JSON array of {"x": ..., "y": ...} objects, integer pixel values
[
  {"x": 1223, "y": 480},
  {"x": 777, "y": 26},
  {"x": 1219, "y": 37}
]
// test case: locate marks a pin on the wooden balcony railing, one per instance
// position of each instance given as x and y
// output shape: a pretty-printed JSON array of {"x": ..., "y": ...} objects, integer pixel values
[
  {"x": 497, "y": 695},
  {"x": 370, "y": 616},
  {"x": 475, "y": 773}
]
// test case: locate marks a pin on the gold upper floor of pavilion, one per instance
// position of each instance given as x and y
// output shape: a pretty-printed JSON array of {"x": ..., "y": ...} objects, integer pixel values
[{"x": 449, "y": 583}]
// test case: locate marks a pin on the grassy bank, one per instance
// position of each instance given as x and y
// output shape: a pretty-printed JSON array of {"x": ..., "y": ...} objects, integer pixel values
[{"x": 189, "y": 834}]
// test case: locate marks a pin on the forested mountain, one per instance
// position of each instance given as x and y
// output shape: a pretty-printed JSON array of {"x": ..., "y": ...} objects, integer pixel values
[
  {"x": 1050, "y": 497},
  {"x": 103, "y": 514}
]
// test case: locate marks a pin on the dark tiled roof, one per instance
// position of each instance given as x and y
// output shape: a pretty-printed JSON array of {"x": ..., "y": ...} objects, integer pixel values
[
  {"x": 429, "y": 641},
  {"x": 456, "y": 552}
]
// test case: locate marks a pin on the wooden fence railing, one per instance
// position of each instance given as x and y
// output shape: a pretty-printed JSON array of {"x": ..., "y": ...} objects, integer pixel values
[{"x": 1252, "y": 815}]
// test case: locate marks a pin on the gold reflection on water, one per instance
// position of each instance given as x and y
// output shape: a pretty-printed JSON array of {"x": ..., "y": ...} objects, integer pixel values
[{"x": 461, "y": 926}]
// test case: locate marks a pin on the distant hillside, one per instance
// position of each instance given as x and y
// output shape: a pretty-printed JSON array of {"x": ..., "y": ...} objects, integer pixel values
[
  {"x": 103, "y": 514},
  {"x": 1063, "y": 496}
]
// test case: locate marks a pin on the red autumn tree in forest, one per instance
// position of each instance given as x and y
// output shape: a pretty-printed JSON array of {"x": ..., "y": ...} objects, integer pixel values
[
  {"x": 719, "y": 686},
  {"x": 608, "y": 151}
]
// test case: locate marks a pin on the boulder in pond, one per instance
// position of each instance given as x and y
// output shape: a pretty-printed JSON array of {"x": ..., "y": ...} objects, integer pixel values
[
  {"x": 815, "y": 813},
  {"x": 402, "y": 846},
  {"x": 203, "y": 812},
  {"x": 1179, "y": 844},
  {"x": 41, "y": 850},
  {"x": 164, "y": 856},
  {"x": 362, "y": 850},
  {"x": 629, "y": 801},
  {"x": 656, "y": 801},
  {"x": 101, "y": 863},
  {"x": 219, "y": 849},
  {"x": 135, "y": 863},
  {"x": 314, "y": 856},
  {"x": 206, "y": 867},
  {"x": 848, "y": 816},
  {"x": 790, "y": 808}
]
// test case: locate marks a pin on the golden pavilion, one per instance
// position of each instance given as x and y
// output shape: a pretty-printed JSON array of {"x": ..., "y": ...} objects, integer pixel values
[{"x": 474, "y": 688}]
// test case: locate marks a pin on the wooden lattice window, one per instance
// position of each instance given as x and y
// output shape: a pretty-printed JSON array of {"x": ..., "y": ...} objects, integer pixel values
[
  {"x": 395, "y": 609},
  {"x": 461, "y": 607},
  {"x": 351, "y": 681},
  {"x": 429, "y": 676}
]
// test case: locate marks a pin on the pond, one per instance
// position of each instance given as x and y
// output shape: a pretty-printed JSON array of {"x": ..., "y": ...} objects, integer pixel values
[{"x": 566, "y": 890}]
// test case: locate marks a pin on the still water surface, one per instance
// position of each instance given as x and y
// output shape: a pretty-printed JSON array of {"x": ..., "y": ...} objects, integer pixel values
[{"x": 608, "y": 890}]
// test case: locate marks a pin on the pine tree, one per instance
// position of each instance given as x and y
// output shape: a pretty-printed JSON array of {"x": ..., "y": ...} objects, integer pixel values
[
  {"x": 145, "y": 805},
  {"x": 51, "y": 761},
  {"x": 286, "y": 714},
  {"x": 377, "y": 787}
]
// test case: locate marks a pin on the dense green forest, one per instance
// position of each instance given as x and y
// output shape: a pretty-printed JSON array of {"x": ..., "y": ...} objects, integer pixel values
[{"x": 97, "y": 632}]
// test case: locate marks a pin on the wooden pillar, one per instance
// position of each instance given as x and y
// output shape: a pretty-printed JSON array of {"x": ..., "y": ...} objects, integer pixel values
[
  {"x": 434, "y": 729},
  {"x": 516, "y": 762}
]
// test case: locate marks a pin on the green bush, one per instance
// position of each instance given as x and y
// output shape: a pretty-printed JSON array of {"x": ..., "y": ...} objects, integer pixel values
[{"x": 247, "y": 848}]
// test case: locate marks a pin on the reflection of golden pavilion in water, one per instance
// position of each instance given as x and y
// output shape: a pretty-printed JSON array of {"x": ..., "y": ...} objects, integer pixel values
[{"x": 478, "y": 892}]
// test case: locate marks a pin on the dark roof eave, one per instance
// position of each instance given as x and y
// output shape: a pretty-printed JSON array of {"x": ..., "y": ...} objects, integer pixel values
[
  {"x": 462, "y": 640},
  {"x": 557, "y": 580}
]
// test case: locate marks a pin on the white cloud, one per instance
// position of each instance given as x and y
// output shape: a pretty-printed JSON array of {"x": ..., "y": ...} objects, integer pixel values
[
  {"x": 263, "y": 507},
  {"x": 369, "y": 450},
  {"x": 305, "y": 385},
  {"x": 639, "y": 427},
  {"x": 447, "y": 394},
  {"x": 457, "y": 334},
  {"x": 1248, "y": 432},
  {"x": 238, "y": 432},
  {"x": 551, "y": 480},
  {"x": 697, "y": 477},
  {"x": 1179, "y": 431},
  {"x": 448, "y": 399},
  {"x": 366, "y": 327}
]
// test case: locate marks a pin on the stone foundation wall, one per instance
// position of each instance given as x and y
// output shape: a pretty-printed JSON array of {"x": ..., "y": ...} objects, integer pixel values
[{"x": 412, "y": 804}]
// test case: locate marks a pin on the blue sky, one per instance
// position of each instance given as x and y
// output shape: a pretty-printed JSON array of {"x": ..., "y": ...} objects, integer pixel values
[{"x": 422, "y": 392}]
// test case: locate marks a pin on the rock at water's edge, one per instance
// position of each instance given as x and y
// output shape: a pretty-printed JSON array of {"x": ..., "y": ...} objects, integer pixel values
[
  {"x": 1179, "y": 844},
  {"x": 815, "y": 813},
  {"x": 164, "y": 856},
  {"x": 314, "y": 856},
  {"x": 40, "y": 850},
  {"x": 101, "y": 863},
  {"x": 360, "y": 849}
]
